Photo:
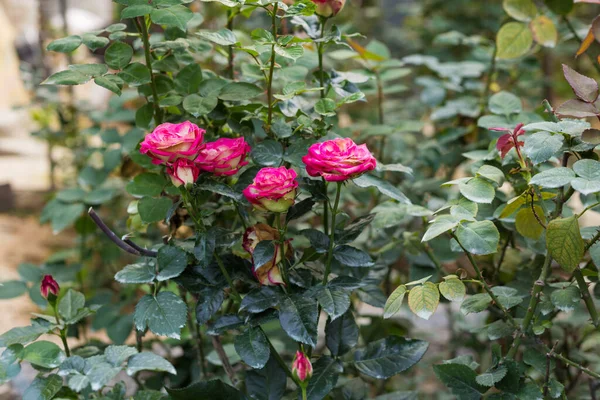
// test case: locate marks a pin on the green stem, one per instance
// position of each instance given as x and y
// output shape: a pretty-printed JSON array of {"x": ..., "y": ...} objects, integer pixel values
[
  {"x": 433, "y": 258},
  {"x": 572, "y": 363},
  {"x": 332, "y": 233},
  {"x": 283, "y": 263},
  {"x": 272, "y": 68},
  {"x": 303, "y": 388},
  {"x": 486, "y": 287},
  {"x": 227, "y": 277},
  {"x": 146, "y": 40},
  {"x": 230, "y": 17},
  {"x": 488, "y": 80},
  {"x": 320, "y": 49},
  {"x": 278, "y": 358},
  {"x": 587, "y": 209},
  {"x": 380, "y": 114},
  {"x": 587, "y": 299},
  {"x": 591, "y": 242},
  {"x": 63, "y": 333}
]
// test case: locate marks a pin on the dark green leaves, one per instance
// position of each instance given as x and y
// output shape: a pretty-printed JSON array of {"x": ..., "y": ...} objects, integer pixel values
[
  {"x": 198, "y": 105},
  {"x": 384, "y": 187},
  {"x": 118, "y": 55},
  {"x": 165, "y": 314},
  {"x": 135, "y": 74},
  {"x": 298, "y": 318},
  {"x": 325, "y": 375},
  {"x": 65, "y": 45},
  {"x": 264, "y": 252},
  {"x": 153, "y": 209},
  {"x": 43, "y": 388},
  {"x": 176, "y": 16},
  {"x": 171, "y": 262},
  {"x": 480, "y": 237},
  {"x": 334, "y": 301},
  {"x": 390, "y": 356},
  {"x": 267, "y": 153},
  {"x": 461, "y": 380},
  {"x": 136, "y": 273},
  {"x": 252, "y": 347},
  {"x": 207, "y": 390},
  {"x": 239, "y": 91},
  {"x": 341, "y": 335},
  {"x": 43, "y": 354},
  {"x": 352, "y": 257},
  {"x": 67, "y": 77},
  {"x": 259, "y": 300},
  {"x": 223, "y": 36}
]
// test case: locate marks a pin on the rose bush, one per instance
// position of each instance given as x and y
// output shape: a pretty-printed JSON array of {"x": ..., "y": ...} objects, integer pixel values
[{"x": 246, "y": 272}]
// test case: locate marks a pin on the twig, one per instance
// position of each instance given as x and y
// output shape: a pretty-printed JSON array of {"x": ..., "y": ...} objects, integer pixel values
[
  {"x": 146, "y": 252},
  {"x": 537, "y": 217},
  {"x": 143, "y": 29},
  {"x": 547, "y": 380},
  {"x": 216, "y": 341},
  {"x": 592, "y": 241},
  {"x": 571, "y": 363},
  {"x": 587, "y": 298}
]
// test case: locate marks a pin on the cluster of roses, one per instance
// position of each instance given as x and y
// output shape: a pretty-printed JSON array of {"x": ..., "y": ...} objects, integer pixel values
[{"x": 181, "y": 148}]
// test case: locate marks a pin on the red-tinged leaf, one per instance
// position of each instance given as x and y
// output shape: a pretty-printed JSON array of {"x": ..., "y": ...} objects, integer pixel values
[
  {"x": 586, "y": 43},
  {"x": 584, "y": 87},
  {"x": 577, "y": 109},
  {"x": 504, "y": 144}
]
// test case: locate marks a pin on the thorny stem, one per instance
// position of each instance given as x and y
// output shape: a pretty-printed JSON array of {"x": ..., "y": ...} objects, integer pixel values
[
  {"x": 592, "y": 241},
  {"x": 502, "y": 255},
  {"x": 272, "y": 68},
  {"x": 141, "y": 25},
  {"x": 587, "y": 299},
  {"x": 486, "y": 287},
  {"x": 320, "y": 48},
  {"x": 216, "y": 341},
  {"x": 547, "y": 380},
  {"x": 572, "y": 363},
  {"x": 332, "y": 233},
  {"x": 537, "y": 217}
]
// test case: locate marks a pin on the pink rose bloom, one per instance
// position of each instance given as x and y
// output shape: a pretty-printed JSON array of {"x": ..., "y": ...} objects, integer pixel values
[
  {"x": 273, "y": 189},
  {"x": 329, "y": 8},
  {"x": 168, "y": 142},
  {"x": 338, "y": 160},
  {"x": 223, "y": 156},
  {"x": 183, "y": 172},
  {"x": 49, "y": 285},
  {"x": 269, "y": 273},
  {"x": 302, "y": 368}
]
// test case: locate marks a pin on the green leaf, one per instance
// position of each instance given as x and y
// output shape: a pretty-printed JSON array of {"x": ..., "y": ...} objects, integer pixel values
[
  {"x": 499, "y": 329},
  {"x": 153, "y": 209},
  {"x": 341, "y": 334},
  {"x": 461, "y": 380},
  {"x": 476, "y": 303},
  {"x": 12, "y": 289},
  {"x": 223, "y": 36},
  {"x": 386, "y": 188},
  {"x": 117, "y": 355},
  {"x": 267, "y": 153},
  {"x": 325, "y": 375},
  {"x": 70, "y": 304},
  {"x": 68, "y": 77},
  {"x": 110, "y": 82},
  {"x": 298, "y": 318},
  {"x": 521, "y": 10},
  {"x": 528, "y": 225},
  {"x": 491, "y": 173},
  {"x": 43, "y": 388},
  {"x": 263, "y": 253},
  {"x": 137, "y": 10},
  {"x": 177, "y": 16},
  {"x": 253, "y": 348},
  {"x": 560, "y": 7},
  {"x": 513, "y": 40},
  {"x": 536, "y": 357},
  {"x": 334, "y": 301},
  {"x": 239, "y": 91},
  {"x": 259, "y": 300},
  {"x": 165, "y": 314},
  {"x": 566, "y": 298},
  {"x": 352, "y": 257},
  {"x": 136, "y": 273},
  {"x": 135, "y": 74},
  {"x": 146, "y": 184},
  {"x": 453, "y": 289},
  {"x": 588, "y": 180},
  {"x": 207, "y": 390},
  {"x": 171, "y": 262},
  {"x": 544, "y": 31},
  {"x": 148, "y": 361},
  {"x": 394, "y": 302},
  {"x": 387, "y": 357},
  {"x": 23, "y": 335},
  {"x": 325, "y": 107},
  {"x": 540, "y": 146},
  {"x": 564, "y": 242},
  {"x": 65, "y": 45},
  {"x": 209, "y": 302},
  {"x": 478, "y": 190},
  {"x": 507, "y": 296},
  {"x": 118, "y": 55},
  {"x": 94, "y": 42},
  {"x": 89, "y": 69},
  {"x": 479, "y": 237},
  {"x": 491, "y": 376},
  {"x": 188, "y": 80},
  {"x": 424, "y": 299},
  {"x": 505, "y": 103},
  {"x": 43, "y": 354},
  {"x": 553, "y": 178},
  {"x": 439, "y": 226}
]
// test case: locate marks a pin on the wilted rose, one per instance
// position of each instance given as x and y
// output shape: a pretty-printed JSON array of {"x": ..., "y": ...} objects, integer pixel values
[
  {"x": 169, "y": 142},
  {"x": 269, "y": 273},
  {"x": 329, "y": 8},
  {"x": 183, "y": 172},
  {"x": 224, "y": 156},
  {"x": 273, "y": 189},
  {"x": 338, "y": 160}
]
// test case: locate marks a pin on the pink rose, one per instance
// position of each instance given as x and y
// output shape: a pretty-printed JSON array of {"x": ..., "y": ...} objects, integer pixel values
[
  {"x": 168, "y": 142},
  {"x": 338, "y": 160},
  {"x": 301, "y": 367},
  {"x": 273, "y": 189},
  {"x": 224, "y": 156},
  {"x": 269, "y": 273},
  {"x": 329, "y": 8},
  {"x": 49, "y": 285},
  {"x": 183, "y": 171}
]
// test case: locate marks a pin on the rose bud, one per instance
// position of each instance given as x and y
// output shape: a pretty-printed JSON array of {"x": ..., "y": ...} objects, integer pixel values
[
  {"x": 49, "y": 285},
  {"x": 169, "y": 142},
  {"x": 183, "y": 172},
  {"x": 302, "y": 368},
  {"x": 273, "y": 189},
  {"x": 269, "y": 273},
  {"x": 338, "y": 160},
  {"x": 224, "y": 156},
  {"x": 328, "y": 8}
]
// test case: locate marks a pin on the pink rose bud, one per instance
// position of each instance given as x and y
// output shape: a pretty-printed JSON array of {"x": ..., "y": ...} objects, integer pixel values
[
  {"x": 329, "y": 8},
  {"x": 338, "y": 160},
  {"x": 224, "y": 156},
  {"x": 169, "y": 142},
  {"x": 183, "y": 172},
  {"x": 49, "y": 285},
  {"x": 269, "y": 273},
  {"x": 273, "y": 189},
  {"x": 302, "y": 368}
]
